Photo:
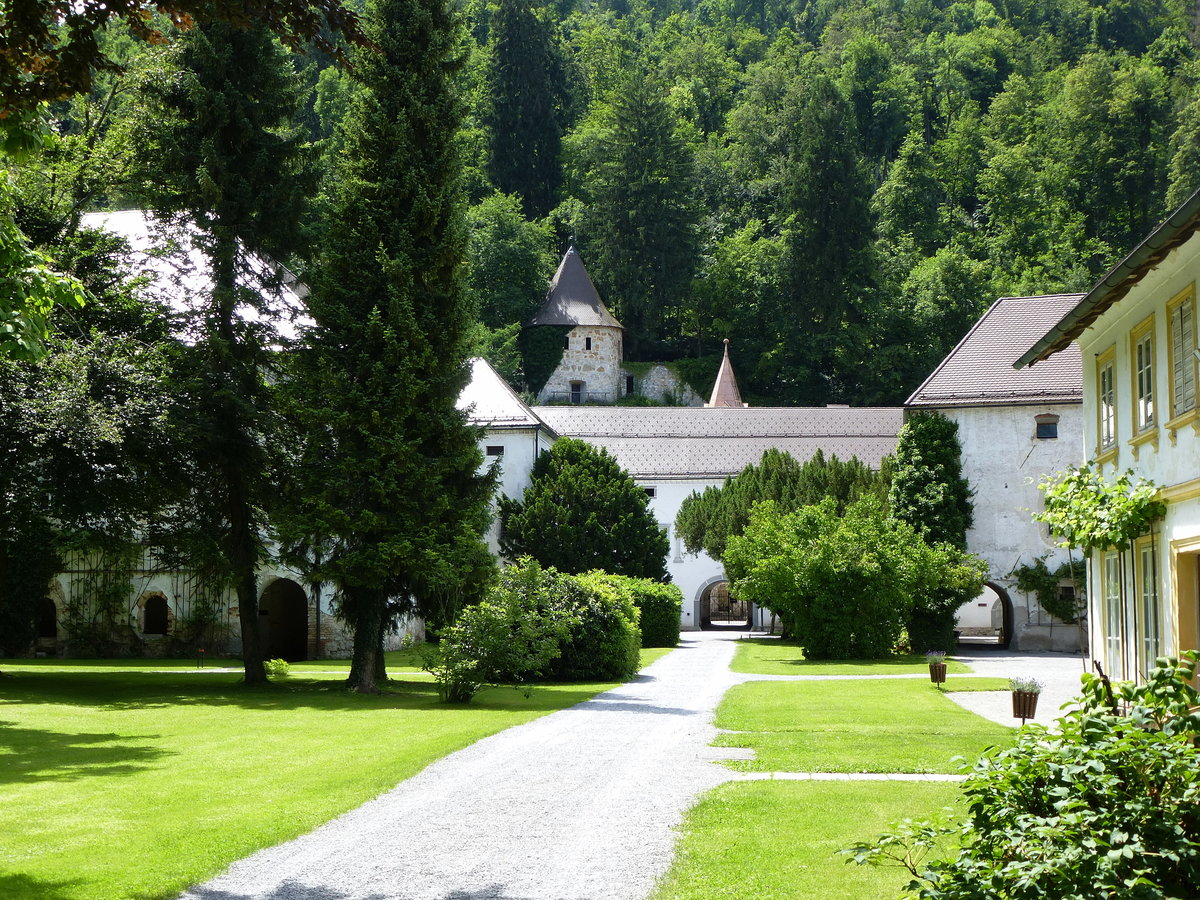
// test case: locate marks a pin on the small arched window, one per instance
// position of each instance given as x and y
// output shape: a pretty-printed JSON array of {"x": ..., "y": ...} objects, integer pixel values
[{"x": 155, "y": 621}]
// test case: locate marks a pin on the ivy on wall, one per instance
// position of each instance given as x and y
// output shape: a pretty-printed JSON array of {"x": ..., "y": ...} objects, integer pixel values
[
  {"x": 541, "y": 351},
  {"x": 1040, "y": 581}
]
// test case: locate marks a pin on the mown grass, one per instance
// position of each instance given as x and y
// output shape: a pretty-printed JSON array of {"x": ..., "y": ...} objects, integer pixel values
[
  {"x": 885, "y": 725},
  {"x": 779, "y": 840},
  {"x": 117, "y": 781},
  {"x": 772, "y": 656}
]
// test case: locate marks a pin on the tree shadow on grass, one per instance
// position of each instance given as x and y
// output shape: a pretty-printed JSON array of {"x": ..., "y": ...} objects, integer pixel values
[
  {"x": 19, "y": 886},
  {"x": 117, "y": 691},
  {"x": 35, "y": 754}
]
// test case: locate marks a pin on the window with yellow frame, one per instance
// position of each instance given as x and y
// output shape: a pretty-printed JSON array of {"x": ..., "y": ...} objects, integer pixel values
[
  {"x": 1181, "y": 352},
  {"x": 1141, "y": 363},
  {"x": 1106, "y": 400}
]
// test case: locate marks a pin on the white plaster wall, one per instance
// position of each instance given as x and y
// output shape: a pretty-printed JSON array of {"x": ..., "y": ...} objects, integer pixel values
[
  {"x": 1004, "y": 460},
  {"x": 521, "y": 448},
  {"x": 691, "y": 571},
  {"x": 598, "y": 368}
]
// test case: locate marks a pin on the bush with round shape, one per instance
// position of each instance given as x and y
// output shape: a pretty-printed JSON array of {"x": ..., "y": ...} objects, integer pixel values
[{"x": 604, "y": 644}]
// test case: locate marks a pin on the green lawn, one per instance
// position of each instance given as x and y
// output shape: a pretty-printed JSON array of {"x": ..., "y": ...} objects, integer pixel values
[
  {"x": 779, "y": 840},
  {"x": 122, "y": 783},
  {"x": 886, "y": 725},
  {"x": 772, "y": 656}
]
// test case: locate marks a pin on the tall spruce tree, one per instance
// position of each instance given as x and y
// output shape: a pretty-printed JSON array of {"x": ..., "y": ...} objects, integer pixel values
[
  {"x": 641, "y": 229},
  {"x": 829, "y": 260},
  {"x": 929, "y": 491},
  {"x": 388, "y": 488},
  {"x": 222, "y": 160},
  {"x": 525, "y": 107}
]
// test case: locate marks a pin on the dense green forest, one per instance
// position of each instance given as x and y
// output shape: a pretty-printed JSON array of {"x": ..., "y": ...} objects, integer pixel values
[{"x": 840, "y": 187}]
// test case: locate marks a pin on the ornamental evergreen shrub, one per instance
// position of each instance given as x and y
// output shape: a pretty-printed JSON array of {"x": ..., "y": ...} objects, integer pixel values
[{"x": 604, "y": 644}]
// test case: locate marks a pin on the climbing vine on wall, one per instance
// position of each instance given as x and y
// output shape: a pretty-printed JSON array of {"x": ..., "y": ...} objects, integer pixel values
[
  {"x": 1045, "y": 584},
  {"x": 541, "y": 352},
  {"x": 1085, "y": 511}
]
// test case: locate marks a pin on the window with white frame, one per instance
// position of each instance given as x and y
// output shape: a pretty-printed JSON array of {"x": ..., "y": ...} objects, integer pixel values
[
  {"x": 1111, "y": 573},
  {"x": 1106, "y": 399},
  {"x": 1149, "y": 618},
  {"x": 1142, "y": 357}
]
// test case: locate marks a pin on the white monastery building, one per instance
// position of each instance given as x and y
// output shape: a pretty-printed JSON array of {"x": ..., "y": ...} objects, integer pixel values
[{"x": 1015, "y": 427}]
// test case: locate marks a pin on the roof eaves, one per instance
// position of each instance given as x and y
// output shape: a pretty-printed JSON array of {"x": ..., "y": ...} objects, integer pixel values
[{"x": 1173, "y": 231}]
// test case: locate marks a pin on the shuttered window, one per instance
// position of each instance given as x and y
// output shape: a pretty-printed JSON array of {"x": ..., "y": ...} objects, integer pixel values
[{"x": 1183, "y": 357}]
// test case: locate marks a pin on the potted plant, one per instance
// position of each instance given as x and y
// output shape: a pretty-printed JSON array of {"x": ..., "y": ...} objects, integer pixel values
[
  {"x": 937, "y": 666},
  {"x": 1024, "y": 697}
]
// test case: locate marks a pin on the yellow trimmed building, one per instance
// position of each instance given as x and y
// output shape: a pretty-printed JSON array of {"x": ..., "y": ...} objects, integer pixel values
[{"x": 1136, "y": 332}]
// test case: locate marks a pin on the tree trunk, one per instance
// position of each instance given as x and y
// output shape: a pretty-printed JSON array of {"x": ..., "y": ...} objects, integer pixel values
[
  {"x": 368, "y": 607},
  {"x": 381, "y": 675}
]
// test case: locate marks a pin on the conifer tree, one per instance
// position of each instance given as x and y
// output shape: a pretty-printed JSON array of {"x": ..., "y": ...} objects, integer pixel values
[
  {"x": 388, "y": 486},
  {"x": 641, "y": 229},
  {"x": 525, "y": 103},
  {"x": 222, "y": 159},
  {"x": 581, "y": 512},
  {"x": 928, "y": 489}
]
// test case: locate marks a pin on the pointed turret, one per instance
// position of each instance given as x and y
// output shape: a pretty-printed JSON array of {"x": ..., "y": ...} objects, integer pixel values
[
  {"x": 725, "y": 391},
  {"x": 572, "y": 298}
]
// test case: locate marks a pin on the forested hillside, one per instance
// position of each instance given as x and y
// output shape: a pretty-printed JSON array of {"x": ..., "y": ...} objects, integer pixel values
[{"x": 840, "y": 187}]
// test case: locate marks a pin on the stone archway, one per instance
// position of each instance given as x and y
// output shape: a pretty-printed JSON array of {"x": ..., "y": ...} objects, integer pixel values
[
  {"x": 716, "y": 609},
  {"x": 987, "y": 620},
  {"x": 283, "y": 621}
]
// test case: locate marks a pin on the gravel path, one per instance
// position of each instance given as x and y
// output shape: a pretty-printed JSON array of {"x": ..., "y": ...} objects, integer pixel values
[
  {"x": 1058, "y": 672},
  {"x": 576, "y": 804}
]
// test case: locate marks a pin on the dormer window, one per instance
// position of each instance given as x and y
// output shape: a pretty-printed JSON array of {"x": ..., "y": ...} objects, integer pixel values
[{"x": 1047, "y": 426}]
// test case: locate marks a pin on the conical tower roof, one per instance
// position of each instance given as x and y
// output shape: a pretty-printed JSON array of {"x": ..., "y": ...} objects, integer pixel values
[
  {"x": 572, "y": 298},
  {"x": 725, "y": 390}
]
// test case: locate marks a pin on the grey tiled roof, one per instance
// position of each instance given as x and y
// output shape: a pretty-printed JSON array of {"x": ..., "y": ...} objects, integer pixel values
[
  {"x": 658, "y": 442},
  {"x": 491, "y": 402},
  {"x": 979, "y": 371},
  {"x": 572, "y": 298}
]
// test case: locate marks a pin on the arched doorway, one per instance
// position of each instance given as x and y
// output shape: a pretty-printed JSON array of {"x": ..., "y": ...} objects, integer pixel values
[
  {"x": 719, "y": 610},
  {"x": 47, "y": 620},
  {"x": 283, "y": 621},
  {"x": 986, "y": 621}
]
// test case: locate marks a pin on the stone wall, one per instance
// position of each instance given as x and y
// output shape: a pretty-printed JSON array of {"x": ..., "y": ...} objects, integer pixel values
[
  {"x": 593, "y": 361},
  {"x": 661, "y": 384}
]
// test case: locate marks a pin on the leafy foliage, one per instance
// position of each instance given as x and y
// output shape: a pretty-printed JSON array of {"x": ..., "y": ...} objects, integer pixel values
[
  {"x": 509, "y": 637},
  {"x": 847, "y": 585},
  {"x": 541, "y": 352},
  {"x": 581, "y": 512},
  {"x": 605, "y": 643},
  {"x": 1037, "y": 579},
  {"x": 1086, "y": 511},
  {"x": 1107, "y": 804},
  {"x": 707, "y": 520},
  {"x": 928, "y": 488}
]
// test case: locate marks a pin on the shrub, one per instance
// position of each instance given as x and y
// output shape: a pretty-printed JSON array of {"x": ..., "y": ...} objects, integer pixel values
[
  {"x": 1106, "y": 806},
  {"x": 660, "y": 605},
  {"x": 510, "y": 637},
  {"x": 940, "y": 578},
  {"x": 604, "y": 644},
  {"x": 277, "y": 668}
]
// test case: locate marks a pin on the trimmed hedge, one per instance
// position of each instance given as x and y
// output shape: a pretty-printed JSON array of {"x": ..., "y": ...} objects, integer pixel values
[
  {"x": 604, "y": 645},
  {"x": 659, "y": 606}
]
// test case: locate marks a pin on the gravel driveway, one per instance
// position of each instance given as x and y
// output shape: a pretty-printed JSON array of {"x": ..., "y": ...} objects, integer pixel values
[{"x": 577, "y": 804}]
